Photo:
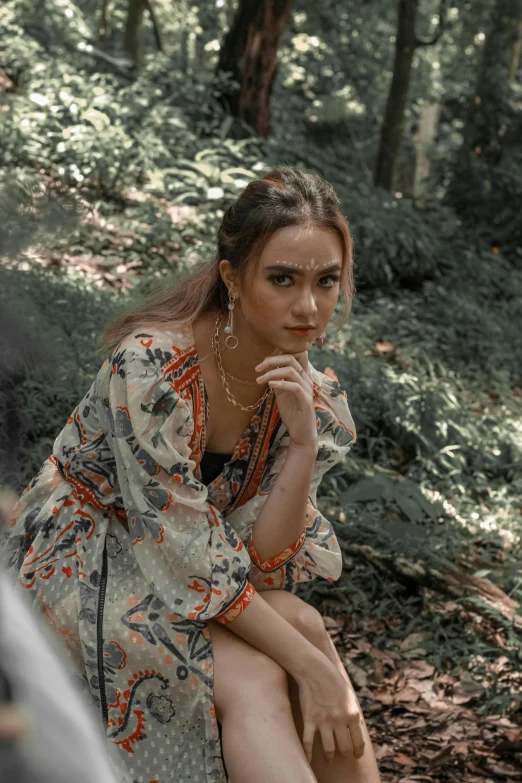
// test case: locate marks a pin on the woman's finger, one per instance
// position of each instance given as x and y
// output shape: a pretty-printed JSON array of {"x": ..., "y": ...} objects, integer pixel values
[
  {"x": 298, "y": 361},
  {"x": 343, "y": 740},
  {"x": 308, "y": 740},
  {"x": 288, "y": 374},
  {"x": 289, "y": 386},
  {"x": 327, "y": 738},
  {"x": 355, "y": 726}
]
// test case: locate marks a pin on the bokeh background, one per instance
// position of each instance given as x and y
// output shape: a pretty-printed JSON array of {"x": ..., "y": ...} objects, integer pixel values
[{"x": 128, "y": 126}]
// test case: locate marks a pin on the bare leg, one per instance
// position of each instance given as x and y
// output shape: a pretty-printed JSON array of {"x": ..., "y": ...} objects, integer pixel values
[
  {"x": 262, "y": 745},
  {"x": 308, "y": 621},
  {"x": 341, "y": 770},
  {"x": 259, "y": 737}
]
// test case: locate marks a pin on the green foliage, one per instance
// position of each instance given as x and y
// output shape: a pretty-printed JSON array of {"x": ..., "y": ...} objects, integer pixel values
[
  {"x": 209, "y": 177},
  {"x": 404, "y": 494},
  {"x": 62, "y": 319},
  {"x": 393, "y": 244},
  {"x": 488, "y": 197},
  {"x": 32, "y": 208}
]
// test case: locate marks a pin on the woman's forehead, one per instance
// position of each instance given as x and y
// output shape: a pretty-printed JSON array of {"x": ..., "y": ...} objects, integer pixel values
[{"x": 299, "y": 243}]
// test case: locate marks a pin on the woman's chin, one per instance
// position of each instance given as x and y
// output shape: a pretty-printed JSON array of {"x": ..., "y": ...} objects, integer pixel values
[
  {"x": 296, "y": 342},
  {"x": 289, "y": 342}
]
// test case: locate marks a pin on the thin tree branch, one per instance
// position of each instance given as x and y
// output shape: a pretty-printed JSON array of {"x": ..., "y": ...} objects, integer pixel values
[
  {"x": 104, "y": 18},
  {"x": 440, "y": 28}
]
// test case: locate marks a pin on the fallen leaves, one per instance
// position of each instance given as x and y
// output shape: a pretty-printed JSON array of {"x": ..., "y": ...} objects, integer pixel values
[{"x": 421, "y": 721}]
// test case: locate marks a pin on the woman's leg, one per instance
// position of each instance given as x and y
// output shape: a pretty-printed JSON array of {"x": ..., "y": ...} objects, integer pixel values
[
  {"x": 308, "y": 621},
  {"x": 260, "y": 742}
]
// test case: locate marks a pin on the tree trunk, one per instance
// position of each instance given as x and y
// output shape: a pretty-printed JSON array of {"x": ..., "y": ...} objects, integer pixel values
[
  {"x": 423, "y": 139},
  {"x": 182, "y": 13},
  {"x": 133, "y": 30},
  {"x": 249, "y": 55},
  {"x": 515, "y": 55},
  {"x": 486, "y": 116},
  {"x": 396, "y": 104},
  {"x": 407, "y": 42},
  {"x": 230, "y": 10},
  {"x": 104, "y": 19},
  {"x": 155, "y": 25},
  {"x": 478, "y": 595}
]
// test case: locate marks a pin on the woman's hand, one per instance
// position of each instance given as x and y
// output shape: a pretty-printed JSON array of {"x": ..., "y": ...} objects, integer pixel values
[
  {"x": 329, "y": 705},
  {"x": 288, "y": 375}
]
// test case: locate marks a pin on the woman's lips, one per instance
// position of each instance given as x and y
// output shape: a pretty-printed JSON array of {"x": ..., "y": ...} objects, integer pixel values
[{"x": 300, "y": 330}]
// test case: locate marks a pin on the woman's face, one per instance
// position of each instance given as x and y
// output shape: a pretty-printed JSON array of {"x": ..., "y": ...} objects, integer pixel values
[{"x": 295, "y": 283}]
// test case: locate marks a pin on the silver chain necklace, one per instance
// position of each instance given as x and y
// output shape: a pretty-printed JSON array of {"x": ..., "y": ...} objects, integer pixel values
[{"x": 223, "y": 373}]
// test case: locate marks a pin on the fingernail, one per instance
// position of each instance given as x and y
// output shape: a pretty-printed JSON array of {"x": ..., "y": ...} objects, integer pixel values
[{"x": 258, "y": 366}]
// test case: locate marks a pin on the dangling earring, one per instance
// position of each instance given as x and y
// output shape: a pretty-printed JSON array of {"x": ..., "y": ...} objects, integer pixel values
[
  {"x": 320, "y": 340},
  {"x": 229, "y": 327}
]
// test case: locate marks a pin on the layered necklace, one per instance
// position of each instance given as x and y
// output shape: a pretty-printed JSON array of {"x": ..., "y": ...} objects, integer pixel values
[{"x": 224, "y": 373}]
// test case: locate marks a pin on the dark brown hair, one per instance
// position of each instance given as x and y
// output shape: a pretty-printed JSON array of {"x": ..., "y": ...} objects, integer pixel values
[{"x": 284, "y": 197}]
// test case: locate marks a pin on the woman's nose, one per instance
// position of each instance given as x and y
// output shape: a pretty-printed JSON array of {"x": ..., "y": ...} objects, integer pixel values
[{"x": 305, "y": 305}]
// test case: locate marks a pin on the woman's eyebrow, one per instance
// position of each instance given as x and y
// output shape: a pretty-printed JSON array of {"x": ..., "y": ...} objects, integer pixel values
[{"x": 298, "y": 269}]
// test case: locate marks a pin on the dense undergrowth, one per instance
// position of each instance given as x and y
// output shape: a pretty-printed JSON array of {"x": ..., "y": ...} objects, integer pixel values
[{"x": 111, "y": 185}]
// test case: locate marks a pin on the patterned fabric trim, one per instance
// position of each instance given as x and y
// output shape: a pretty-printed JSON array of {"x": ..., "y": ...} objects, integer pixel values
[
  {"x": 254, "y": 466},
  {"x": 278, "y": 560},
  {"x": 235, "y": 609}
]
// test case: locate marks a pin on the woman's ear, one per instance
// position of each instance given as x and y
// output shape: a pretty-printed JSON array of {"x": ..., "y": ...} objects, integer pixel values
[{"x": 228, "y": 275}]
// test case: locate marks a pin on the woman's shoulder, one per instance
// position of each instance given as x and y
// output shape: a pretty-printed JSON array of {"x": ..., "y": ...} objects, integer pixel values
[
  {"x": 157, "y": 343},
  {"x": 155, "y": 360}
]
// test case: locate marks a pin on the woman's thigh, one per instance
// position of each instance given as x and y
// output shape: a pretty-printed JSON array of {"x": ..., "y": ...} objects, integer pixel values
[
  {"x": 243, "y": 674},
  {"x": 237, "y": 663}
]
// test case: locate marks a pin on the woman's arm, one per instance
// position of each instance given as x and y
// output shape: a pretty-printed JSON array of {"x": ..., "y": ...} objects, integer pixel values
[
  {"x": 283, "y": 517},
  {"x": 262, "y": 627},
  {"x": 327, "y": 699}
]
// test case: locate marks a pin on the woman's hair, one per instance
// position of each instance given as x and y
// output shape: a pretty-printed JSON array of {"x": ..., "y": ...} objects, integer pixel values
[{"x": 284, "y": 197}]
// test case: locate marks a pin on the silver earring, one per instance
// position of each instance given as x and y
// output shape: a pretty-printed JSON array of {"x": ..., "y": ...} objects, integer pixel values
[
  {"x": 230, "y": 325},
  {"x": 320, "y": 340}
]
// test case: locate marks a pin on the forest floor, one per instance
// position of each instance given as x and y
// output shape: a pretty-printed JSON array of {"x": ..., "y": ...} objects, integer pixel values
[{"x": 424, "y": 724}]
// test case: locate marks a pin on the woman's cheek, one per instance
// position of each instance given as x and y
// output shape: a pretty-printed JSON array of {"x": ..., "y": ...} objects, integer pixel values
[{"x": 264, "y": 300}]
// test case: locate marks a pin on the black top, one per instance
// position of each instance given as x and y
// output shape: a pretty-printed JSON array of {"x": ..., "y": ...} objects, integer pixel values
[{"x": 212, "y": 464}]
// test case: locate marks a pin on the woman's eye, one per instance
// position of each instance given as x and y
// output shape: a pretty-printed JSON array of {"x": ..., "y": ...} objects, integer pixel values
[
  {"x": 278, "y": 277},
  {"x": 333, "y": 278}
]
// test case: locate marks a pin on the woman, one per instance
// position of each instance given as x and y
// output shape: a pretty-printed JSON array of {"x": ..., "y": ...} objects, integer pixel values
[{"x": 178, "y": 507}]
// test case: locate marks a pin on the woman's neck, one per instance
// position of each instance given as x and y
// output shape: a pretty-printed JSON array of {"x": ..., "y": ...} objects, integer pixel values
[{"x": 240, "y": 361}]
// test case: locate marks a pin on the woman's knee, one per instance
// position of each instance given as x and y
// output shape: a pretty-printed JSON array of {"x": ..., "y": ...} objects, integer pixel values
[
  {"x": 304, "y": 617},
  {"x": 310, "y": 624}
]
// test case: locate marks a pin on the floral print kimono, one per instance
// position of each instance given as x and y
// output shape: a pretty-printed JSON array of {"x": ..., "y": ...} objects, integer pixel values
[{"x": 128, "y": 554}]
